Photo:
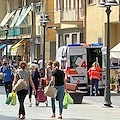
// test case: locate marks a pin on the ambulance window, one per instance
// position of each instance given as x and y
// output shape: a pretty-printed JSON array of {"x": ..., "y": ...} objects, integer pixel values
[{"x": 73, "y": 60}]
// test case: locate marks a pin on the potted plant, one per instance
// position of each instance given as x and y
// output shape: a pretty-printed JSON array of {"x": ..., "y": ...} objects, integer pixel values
[{"x": 112, "y": 83}]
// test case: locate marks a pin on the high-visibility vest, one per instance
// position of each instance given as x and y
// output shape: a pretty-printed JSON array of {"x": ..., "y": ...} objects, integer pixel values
[{"x": 94, "y": 73}]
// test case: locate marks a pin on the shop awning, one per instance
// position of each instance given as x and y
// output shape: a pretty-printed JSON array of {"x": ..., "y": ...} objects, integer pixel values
[
  {"x": 2, "y": 46},
  {"x": 7, "y": 17},
  {"x": 18, "y": 48},
  {"x": 23, "y": 14},
  {"x": 8, "y": 49},
  {"x": 15, "y": 18}
]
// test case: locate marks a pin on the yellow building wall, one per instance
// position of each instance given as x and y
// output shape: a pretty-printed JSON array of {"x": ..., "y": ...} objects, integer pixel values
[
  {"x": 3, "y": 9},
  {"x": 96, "y": 20}
]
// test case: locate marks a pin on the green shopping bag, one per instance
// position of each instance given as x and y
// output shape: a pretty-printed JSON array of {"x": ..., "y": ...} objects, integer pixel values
[
  {"x": 10, "y": 97},
  {"x": 13, "y": 101},
  {"x": 67, "y": 100}
]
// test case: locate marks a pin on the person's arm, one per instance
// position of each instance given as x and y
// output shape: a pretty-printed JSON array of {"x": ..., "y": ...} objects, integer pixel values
[
  {"x": 52, "y": 79},
  {"x": 65, "y": 85},
  {"x": 32, "y": 84},
  {"x": 102, "y": 70},
  {"x": 15, "y": 80}
]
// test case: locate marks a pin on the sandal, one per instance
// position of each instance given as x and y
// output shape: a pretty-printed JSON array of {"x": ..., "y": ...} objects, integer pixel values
[
  {"x": 23, "y": 117},
  {"x": 19, "y": 116},
  {"x": 53, "y": 116},
  {"x": 30, "y": 105},
  {"x": 60, "y": 117}
]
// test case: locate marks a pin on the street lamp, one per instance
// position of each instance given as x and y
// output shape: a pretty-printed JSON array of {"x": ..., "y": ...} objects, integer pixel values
[
  {"x": 108, "y": 5},
  {"x": 6, "y": 29},
  {"x": 44, "y": 19}
]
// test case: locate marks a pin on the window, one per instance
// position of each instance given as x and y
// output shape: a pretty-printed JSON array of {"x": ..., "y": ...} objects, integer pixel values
[
  {"x": 74, "y": 4},
  {"x": 59, "y": 5},
  {"x": 74, "y": 38},
  {"x": 90, "y": 2},
  {"x": 81, "y": 37},
  {"x": 66, "y": 4},
  {"x": 66, "y": 39},
  {"x": 56, "y": 5},
  {"x": 69, "y": 4}
]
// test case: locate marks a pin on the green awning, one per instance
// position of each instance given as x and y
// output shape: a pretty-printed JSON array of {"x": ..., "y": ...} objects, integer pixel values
[
  {"x": 23, "y": 15},
  {"x": 15, "y": 18},
  {"x": 6, "y": 18}
]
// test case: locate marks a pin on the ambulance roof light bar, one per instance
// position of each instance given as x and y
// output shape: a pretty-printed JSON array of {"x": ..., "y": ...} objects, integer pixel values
[{"x": 93, "y": 44}]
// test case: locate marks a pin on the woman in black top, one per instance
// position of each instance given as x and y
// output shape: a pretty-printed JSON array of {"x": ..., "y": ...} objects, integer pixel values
[{"x": 58, "y": 78}]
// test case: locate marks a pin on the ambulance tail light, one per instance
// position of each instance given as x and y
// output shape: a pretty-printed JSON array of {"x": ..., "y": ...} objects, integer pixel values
[{"x": 68, "y": 73}]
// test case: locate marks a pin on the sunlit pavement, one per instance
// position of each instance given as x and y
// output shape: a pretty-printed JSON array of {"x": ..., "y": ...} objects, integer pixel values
[{"x": 91, "y": 109}]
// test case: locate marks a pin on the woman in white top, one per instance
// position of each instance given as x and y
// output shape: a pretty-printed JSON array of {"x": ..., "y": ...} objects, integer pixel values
[{"x": 49, "y": 70}]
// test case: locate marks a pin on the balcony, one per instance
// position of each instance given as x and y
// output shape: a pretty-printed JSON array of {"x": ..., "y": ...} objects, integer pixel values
[
  {"x": 17, "y": 32},
  {"x": 73, "y": 16}
]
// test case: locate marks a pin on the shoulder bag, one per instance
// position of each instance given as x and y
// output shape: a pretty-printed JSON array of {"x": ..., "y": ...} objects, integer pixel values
[
  {"x": 50, "y": 91},
  {"x": 21, "y": 83}
]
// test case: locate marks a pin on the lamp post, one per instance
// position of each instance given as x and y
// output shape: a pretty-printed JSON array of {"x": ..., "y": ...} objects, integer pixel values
[
  {"x": 6, "y": 29},
  {"x": 108, "y": 5},
  {"x": 44, "y": 19}
]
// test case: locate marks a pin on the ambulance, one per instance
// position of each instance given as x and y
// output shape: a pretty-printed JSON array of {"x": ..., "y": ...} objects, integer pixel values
[{"x": 76, "y": 59}]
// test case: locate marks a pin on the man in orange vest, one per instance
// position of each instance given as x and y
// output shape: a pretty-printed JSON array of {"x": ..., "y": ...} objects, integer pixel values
[{"x": 94, "y": 75}]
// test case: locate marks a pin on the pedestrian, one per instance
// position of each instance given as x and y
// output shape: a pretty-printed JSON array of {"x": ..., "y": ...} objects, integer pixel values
[
  {"x": 36, "y": 78},
  {"x": 6, "y": 71},
  {"x": 23, "y": 73},
  {"x": 36, "y": 63},
  {"x": 49, "y": 71},
  {"x": 94, "y": 75},
  {"x": 14, "y": 64},
  {"x": 58, "y": 79},
  {"x": 40, "y": 63},
  {"x": 41, "y": 72}
]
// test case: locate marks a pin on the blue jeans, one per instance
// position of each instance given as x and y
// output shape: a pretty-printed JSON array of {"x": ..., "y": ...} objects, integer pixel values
[
  {"x": 60, "y": 97},
  {"x": 94, "y": 82}
]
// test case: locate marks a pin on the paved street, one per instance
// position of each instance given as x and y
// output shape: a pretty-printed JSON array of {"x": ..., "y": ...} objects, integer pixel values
[{"x": 91, "y": 109}]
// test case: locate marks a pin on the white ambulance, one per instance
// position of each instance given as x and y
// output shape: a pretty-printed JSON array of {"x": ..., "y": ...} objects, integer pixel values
[{"x": 76, "y": 59}]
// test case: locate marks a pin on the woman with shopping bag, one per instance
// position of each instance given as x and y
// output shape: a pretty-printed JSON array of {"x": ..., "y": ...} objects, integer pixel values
[
  {"x": 58, "y": 79},
  {"x": 22, "y": 73}
]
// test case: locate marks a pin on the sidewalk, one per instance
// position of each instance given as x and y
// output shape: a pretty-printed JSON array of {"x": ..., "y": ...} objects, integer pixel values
[{"x": 89, "y": 110}]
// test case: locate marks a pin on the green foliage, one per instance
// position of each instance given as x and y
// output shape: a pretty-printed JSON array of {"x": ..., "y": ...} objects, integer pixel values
[{"x": 113, "y": 80}]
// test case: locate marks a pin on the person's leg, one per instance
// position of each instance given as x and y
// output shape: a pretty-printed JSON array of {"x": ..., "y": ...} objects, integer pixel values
[
  {"x": 53, "y": 106},
  {"x": 30, "y": 95},
  {"x": 21, "y": 96},
  {"x": 91, "y": 87},
  {"x": 6, "y": 88},
  {"x": 36, "y": 101},
  {"x": 60, "y": 99},
  {"x": 96, "y": 87}
]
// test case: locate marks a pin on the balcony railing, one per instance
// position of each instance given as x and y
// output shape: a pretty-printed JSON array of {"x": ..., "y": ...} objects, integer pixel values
[
  {"x": 72, "y": 15},
  {"x": 17, "y": 31}
]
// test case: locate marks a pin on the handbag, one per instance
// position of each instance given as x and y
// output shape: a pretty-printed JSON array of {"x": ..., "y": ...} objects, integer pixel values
[
  {"x": 50, "y": 91},
  {"x": 21, "y": 84}
]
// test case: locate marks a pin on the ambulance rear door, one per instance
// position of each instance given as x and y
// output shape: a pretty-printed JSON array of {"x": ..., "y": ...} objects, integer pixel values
[{"x": 78, "y": 65}]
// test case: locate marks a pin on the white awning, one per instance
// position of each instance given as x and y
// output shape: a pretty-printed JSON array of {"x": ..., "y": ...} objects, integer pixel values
[
  {"x": 115, "y": 51},
  {"x": 6, "y": 18},
  {"x": 24, "y": 13},
  {"x": 8, "y": 49},
  {"x": 15, "y": 18}
]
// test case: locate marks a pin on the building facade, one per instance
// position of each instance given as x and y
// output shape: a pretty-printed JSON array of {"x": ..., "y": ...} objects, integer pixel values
[
  {"x": 25, "y": 34},
  {"x": 97, "y": 24},
  {"x": 70, "y": 15}
]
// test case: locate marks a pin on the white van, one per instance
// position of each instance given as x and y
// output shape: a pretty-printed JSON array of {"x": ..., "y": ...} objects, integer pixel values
[{"x": 76, "y": 59}]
